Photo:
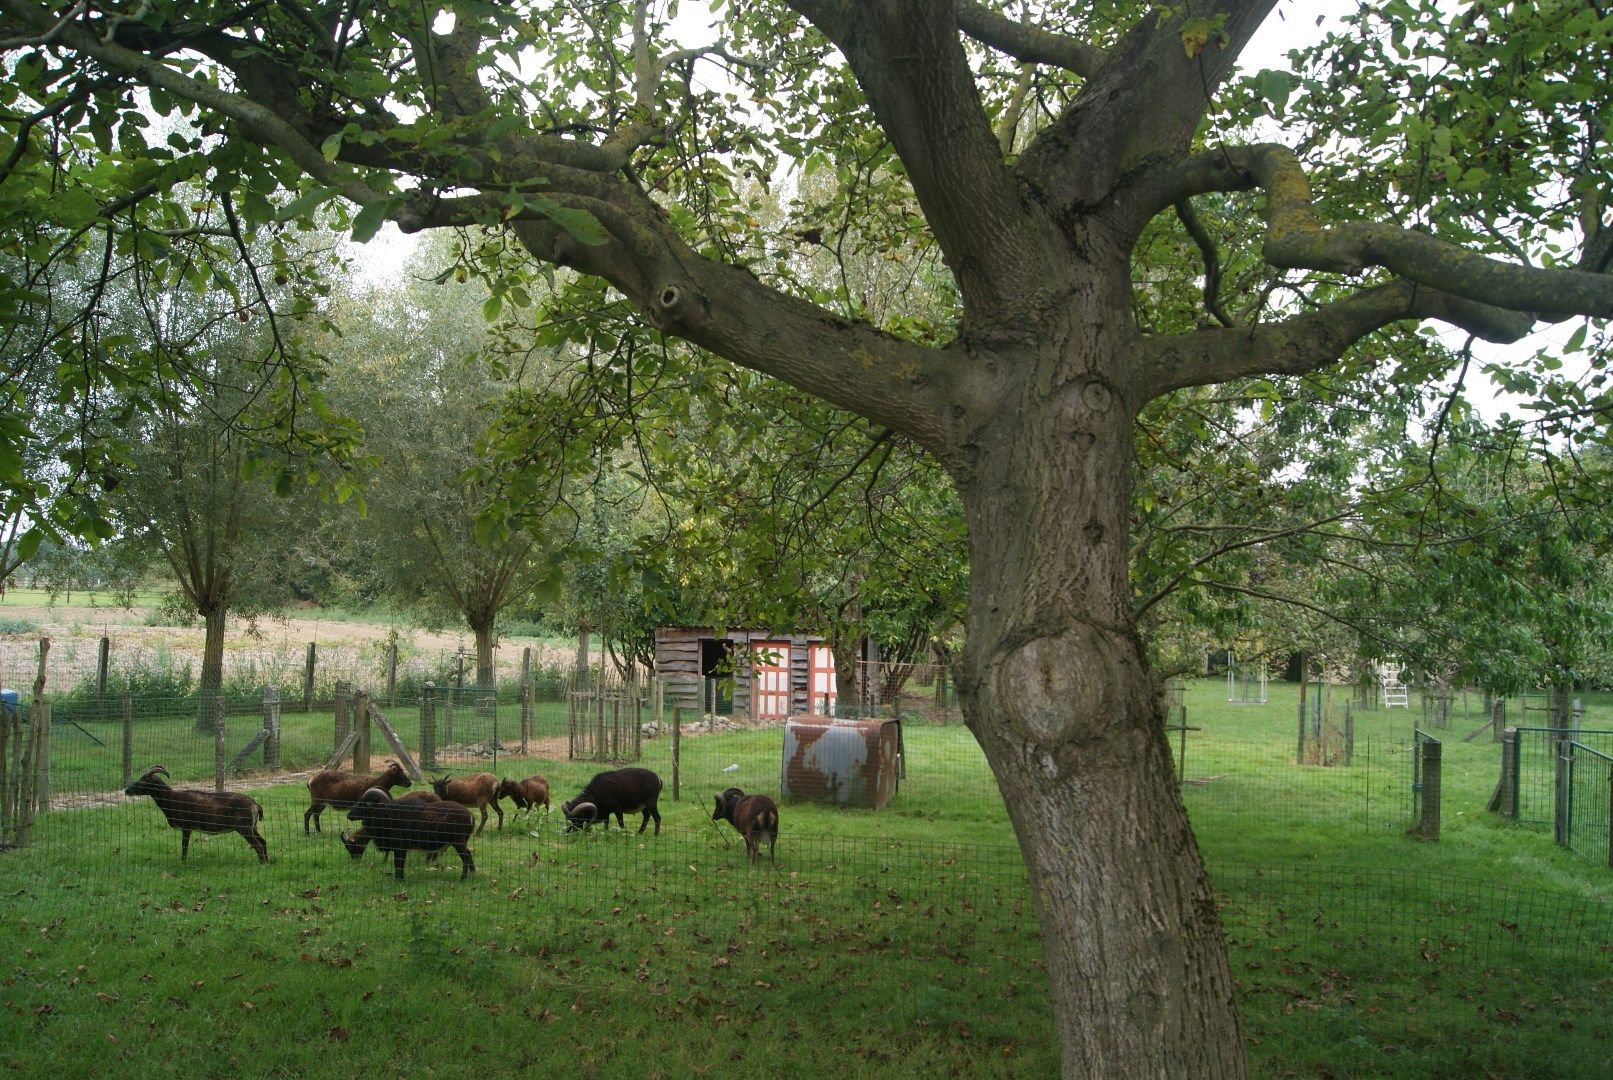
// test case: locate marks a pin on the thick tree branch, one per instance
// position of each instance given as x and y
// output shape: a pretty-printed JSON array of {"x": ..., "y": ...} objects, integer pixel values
[
  {"x": 909, "y": 60},
  {"x": 1311, "y": 341},
  {"x": 1295, "y": 240},
  {"x": 1143, "y": 104},
  {"x": 1031, "y": 44},
  {"x": 1212, "y": 261}
]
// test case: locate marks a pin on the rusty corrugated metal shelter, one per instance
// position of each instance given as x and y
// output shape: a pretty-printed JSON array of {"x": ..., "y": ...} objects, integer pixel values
[
  {"x": 774, "y": 675},
  {"x": 847, "y": 762}
]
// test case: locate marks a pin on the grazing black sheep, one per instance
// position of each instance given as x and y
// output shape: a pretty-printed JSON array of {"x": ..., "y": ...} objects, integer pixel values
[
  {"x": 617, "y": 792},
  {"x": 400, "y": 826}
]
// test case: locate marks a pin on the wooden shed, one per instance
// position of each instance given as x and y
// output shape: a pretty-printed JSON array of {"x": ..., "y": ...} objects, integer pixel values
[{"x": 759, "y": 673}]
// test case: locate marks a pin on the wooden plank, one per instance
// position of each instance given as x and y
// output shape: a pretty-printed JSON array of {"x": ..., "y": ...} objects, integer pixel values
[
  {"x": 341, "y": 751},
  {"x": 246, "y": 751},
  {"x": 395, "y": 742}
]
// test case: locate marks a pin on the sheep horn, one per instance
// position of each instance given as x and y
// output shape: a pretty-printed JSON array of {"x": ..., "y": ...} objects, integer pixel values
[
  {"x": 577, "y": 811},
  {"x": 154, "y": 770}
]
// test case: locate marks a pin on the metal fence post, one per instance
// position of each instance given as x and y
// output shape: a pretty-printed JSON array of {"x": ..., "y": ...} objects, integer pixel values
[
  {"x": 1562, "y": 802},
  {"x": 677, "y": 747},
  {"x": 340, "y": 711},
  {"x": 392, "y": 674},
  {"x": 428, "y": 727},
  {"x": 1299, "y": 751}
]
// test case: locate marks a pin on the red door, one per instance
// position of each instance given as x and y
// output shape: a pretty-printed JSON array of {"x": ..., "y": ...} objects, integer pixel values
[
  {"x": 821, "y": 663},
  {"x": 770, "y": 663}
]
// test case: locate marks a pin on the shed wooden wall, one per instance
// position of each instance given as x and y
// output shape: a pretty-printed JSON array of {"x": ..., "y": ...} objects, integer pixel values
[{"x": 677, "y": 663}]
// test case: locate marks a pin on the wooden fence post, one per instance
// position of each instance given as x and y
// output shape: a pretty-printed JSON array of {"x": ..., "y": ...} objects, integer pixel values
[
  {"x": 218, "y": 743},
  {"x": 35, "y": 767},
  {"x": 271, "y": 726},
  {"x": 42, "y": 750},
  {"x": 428, "y": 727},
  {"x": 1299, "y": 752},
  {"x": 361, "y": 722},
  {"x": 102, "y": 664},
  {"x": 526, "y": 714},
  {"x": 128, "y": 738},
  {"x": 308, "y": 679},
  {"x": 1427, "y": 825}
]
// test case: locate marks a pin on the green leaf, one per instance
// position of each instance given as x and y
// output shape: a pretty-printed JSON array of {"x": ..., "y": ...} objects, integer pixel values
[
  {"x": 492, "y": 307},
  {"x": 304, "y": 204},
  {"x": 28, "y": 543},
  {"x": 369, "y": 221}
]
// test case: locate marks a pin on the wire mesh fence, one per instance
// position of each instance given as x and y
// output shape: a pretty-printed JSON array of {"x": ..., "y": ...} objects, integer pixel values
[{"x": 930, "y": 892}]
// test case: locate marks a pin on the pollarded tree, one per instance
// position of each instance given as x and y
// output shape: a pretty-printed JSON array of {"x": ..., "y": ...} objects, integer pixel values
[
  {"x": 413, "y": 373},
  {"x": 1034, "y": 155}
]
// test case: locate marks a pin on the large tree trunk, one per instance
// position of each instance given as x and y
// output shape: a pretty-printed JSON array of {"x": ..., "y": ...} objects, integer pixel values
[
  {"x": 482, "y": 629},
  {"x": 1055, "y": 685},
  {"x": 213, "y": 617}
]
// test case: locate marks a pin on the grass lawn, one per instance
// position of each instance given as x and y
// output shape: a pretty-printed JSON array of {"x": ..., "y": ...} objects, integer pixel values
[{"x": 893, "y": 943}]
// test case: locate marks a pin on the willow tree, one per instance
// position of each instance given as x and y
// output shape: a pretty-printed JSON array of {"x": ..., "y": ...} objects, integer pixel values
[{"x": 1036, "y": 157}]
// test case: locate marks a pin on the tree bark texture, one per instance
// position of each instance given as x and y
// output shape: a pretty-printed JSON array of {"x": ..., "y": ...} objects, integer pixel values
[
  {"x": 213, "y": 617},
  {"x": 1055, "y": 685},
  {"x": 485, "y": 675}
]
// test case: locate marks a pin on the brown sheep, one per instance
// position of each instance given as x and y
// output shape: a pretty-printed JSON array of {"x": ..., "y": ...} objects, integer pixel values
[
  {"x": 526, "y": 794},
  {"x": 333, "y": 787},
  {"x": 477, "y": 791},
  {"x": 190, "y": 810},
  {"x": 756, "y": 818}
]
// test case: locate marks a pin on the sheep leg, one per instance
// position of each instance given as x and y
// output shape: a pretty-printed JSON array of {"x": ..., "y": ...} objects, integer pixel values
[
  {"x": 313, "y": 811},
  {"x": 750, "y": 850},
  {"x": 483, "y": 825},
  {"x": 772, "y": 843},
  {"x": 257, "y": 843},
  {"x": 651, "y": 811},
  {"x": 465, "y": 858},
  {"x": 184, "y": 844},
  {"x": 397, "y": 863},
  {"x": 499, "y": 810}
]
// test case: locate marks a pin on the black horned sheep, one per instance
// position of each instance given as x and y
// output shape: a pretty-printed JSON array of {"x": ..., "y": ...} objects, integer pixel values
[
  {"x": 399, "y": 826},
  {"x": 620, "y": 791}
]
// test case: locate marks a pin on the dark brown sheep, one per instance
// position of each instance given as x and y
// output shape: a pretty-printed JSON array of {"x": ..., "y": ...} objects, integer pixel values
[
  {"x": 756, "y": 818},
  {"x": 190, "y": 810},
  {"x": 333, "y": 787},
  {"x": 617, "y": 792},
  {"x": 399, "y": 826},
  {"x": 477, "y": 791},
  {"x": 360, "y": 839}
]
